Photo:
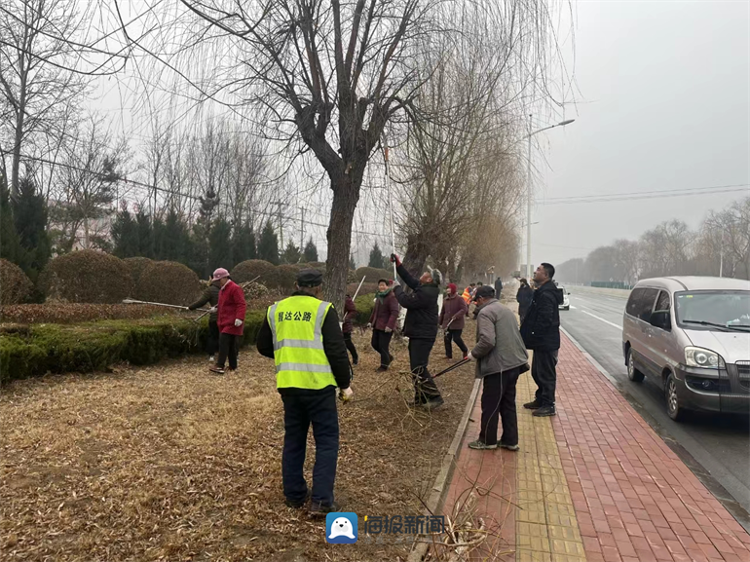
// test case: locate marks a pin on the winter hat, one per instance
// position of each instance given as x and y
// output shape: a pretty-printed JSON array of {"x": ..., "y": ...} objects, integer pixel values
[
  {"x": 486, "y": 292},
  {"x": 220, "y": 273},
  {"x": 452, "y": 288}
]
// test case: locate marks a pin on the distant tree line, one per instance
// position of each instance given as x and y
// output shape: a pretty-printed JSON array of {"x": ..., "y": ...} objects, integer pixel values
[{"x": 719, "y": 247}]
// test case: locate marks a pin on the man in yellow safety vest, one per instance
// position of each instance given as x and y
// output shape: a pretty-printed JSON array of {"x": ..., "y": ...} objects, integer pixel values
[{"x": 303, "y": 336}]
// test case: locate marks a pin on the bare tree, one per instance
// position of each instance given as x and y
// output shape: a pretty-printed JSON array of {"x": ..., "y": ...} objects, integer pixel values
[
  {"x": 88, "y": 175},
  {"x": 328, "y": 75},
  {"x": 730, "y": 233},
  {"x": 45, "y": 57}
]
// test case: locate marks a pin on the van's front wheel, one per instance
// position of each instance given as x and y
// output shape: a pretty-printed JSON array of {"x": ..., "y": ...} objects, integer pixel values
[
  {"x": 633, "y": 374},
  {"x": 674, "y": 409}
]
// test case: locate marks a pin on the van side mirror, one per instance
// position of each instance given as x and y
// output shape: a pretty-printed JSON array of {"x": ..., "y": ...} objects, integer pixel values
[{"x": 661, "y": 319}]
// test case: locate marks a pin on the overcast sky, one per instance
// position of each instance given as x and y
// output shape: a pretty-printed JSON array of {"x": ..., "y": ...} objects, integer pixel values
[{"x": 663, "y": 104}]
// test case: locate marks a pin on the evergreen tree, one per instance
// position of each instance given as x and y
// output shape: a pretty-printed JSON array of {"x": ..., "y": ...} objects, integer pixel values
[
  {"x": 243, "y": 241},
  {"x": 30, "y": 217},
  {"x": 159, "y": 239},
  {"x": 377, "y": 259},
  {"x": 145, "y": 234},
  {"x": 198, "y": 258},
  {"x": 175, "y": 243},
  {"x": 352, "y": 265},
  {"x": 125, "y": 234},
  {"x": 268, "y": 247},
  {"x": 311, "y": 251},
  {"x": 291, "y": 254},
  {"x": 220, "y": 245},
  {"x": 10, "y": 247}
]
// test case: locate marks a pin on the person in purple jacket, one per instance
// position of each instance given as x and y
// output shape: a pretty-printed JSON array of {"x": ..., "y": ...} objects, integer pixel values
[
  {"x": 350, "y": 312},
  {"x": 383, "y": 322},
  {"x": 452, "y": 318}
]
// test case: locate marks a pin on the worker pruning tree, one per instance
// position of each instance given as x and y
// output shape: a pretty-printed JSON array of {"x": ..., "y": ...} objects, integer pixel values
[{"x": 325, "y": 77}]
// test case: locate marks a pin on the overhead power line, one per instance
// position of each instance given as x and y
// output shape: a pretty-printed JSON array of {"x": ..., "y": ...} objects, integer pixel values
[{"x": 639, "y": 195}]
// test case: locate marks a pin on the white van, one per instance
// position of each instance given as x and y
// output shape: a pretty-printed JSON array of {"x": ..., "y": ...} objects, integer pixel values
[{"x": 691, "y": 335}]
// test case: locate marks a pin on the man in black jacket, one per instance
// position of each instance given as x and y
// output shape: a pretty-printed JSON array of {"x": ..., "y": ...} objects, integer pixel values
[
  {"x": 210, "y": 296},
  {"x": 541, "y": 333},
  {"x": 291, "y": 333},
  {"x": 421, "y": 327}
]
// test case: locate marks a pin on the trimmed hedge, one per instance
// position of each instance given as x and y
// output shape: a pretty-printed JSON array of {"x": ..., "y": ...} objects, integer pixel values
[
  {"x": 136, "y": 266},
  {"x": 283, "y": 278},
  {"x": 249, "y": 269},
  {"x": 364, "y": 304},
  {"x": 87, "y": 276},
  {"x": 372, "y": 274},
  {"x": 15, "y": 286},
  {"x": 95, "y": 346},
  {"x": 168, "y": 282}
]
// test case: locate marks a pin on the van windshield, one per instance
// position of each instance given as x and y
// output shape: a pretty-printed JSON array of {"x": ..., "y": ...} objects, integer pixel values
[{"x": 707, "y": 309}]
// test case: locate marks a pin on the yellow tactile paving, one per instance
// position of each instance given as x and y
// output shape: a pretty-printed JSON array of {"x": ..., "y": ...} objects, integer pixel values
[{"x": 546, "y": 525}]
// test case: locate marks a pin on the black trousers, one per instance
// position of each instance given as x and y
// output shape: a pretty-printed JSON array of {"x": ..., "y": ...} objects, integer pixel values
[
  {"x": 381, "y": 342},
  {"x": 544, "y": 373},
  {"x": 350, "y": 346},
  {"x": 499, "y": 402},
  {"x": 212, "y": 346},
  {"x": 425, "y": 388},
  {"x": 300, "y": 410},
  {"x": 454, "y": 335},
  {"x": 229, "y": 347}
]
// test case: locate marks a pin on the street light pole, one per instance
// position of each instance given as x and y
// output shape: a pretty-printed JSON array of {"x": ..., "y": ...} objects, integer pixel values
[
  {"x": 528, "y": 206},
  {"x": 528, "y": 195}
]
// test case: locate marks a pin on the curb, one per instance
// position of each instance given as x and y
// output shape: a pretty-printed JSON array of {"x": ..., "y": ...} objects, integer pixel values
[
  {"x": 435, "y": 501},
  {"x": 590, "y": 358}
]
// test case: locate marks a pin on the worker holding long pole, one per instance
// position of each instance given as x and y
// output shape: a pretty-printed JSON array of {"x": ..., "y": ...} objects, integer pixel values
[{"x": 210, "y": 296}]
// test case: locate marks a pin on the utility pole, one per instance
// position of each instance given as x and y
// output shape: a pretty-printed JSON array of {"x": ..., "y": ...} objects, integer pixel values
[{"x": 528, "y": 205}]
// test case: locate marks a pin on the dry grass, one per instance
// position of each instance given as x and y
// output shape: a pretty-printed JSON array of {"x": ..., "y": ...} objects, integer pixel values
[{"x": 169, "y": 463}]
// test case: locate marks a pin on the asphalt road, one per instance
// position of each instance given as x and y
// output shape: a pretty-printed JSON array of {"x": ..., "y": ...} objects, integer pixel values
[{"x": 716, "y": 447}]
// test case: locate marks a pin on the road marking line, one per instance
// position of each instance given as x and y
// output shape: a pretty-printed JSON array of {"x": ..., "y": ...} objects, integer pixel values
[{"x": 603, "y": 320}]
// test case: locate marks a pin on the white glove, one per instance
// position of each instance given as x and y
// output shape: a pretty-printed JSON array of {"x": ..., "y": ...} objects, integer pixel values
[
  {"x": 388, "y": 330},
  {"x": 213, "y": 309},
  {"x": 346, "y": 394},
  {"x": 238, "y": 323},
  {"x": 369, "y": 325},
  {"x": 470, "y": 357}
]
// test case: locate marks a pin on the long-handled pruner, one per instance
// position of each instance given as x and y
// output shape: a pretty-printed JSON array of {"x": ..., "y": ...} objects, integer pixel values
[{"x": 449, "y": 369}]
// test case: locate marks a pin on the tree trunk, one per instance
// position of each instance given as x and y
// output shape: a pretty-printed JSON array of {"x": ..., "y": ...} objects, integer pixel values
[
  {"x": 417, "y": 252},
  {"x": 339, "y": 236}
]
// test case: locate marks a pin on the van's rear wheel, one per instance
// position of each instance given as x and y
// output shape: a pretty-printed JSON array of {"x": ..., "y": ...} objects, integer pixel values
[
  {"x": 633, "y": 374},
  {"x": 674, "y": 409}
]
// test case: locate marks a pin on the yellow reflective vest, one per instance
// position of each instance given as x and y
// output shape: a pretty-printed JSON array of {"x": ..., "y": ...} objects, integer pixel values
[{"x": 297, "y": 327}]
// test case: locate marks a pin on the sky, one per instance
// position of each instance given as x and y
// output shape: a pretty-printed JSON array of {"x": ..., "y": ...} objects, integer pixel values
[{"x": 662, "y": 103}]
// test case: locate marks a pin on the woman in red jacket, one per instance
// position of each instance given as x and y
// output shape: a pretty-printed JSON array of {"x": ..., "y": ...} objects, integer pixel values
[
  {"x": 231, "y": 320},
  {"x": 451, "y": 321},
  {"x": 383, "y": 322}
]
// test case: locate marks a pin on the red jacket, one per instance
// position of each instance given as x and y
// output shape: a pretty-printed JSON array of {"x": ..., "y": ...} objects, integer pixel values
[
  {"x": 456, "y": 308},
  {"x": 385, "y": 314},
  {"x": 231, "y": 306}
]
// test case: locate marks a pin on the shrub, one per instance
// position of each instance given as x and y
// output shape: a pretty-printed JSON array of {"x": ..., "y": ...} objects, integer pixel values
[
  {"x": 15, "y": 286},
  {"x": 364, "y": 304},
  {"x": 254, "y": 290},
  {"x": 249, "y": 269},
  {"x": 71, "y": 313},
  {"x": 136, "y": 266},
  {"x": 372, "y": 274},
  {"x": 282, "y": 278},
  {"x": 86, "y": 276},
  {"x": 168, "y": 282},
  {"x": 97, "y": 345}
]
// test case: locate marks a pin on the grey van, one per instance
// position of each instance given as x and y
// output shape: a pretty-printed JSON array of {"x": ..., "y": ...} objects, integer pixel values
[{"x": 691, "y": 335}]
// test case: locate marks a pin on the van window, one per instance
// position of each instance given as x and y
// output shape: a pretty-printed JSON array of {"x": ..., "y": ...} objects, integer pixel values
[
  {"x": 663, "y": 302},
  {"x": 641, "y": 302}
]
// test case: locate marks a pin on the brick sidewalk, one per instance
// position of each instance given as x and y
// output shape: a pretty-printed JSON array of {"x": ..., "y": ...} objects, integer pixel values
[{"x": 595, "y": 483}]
